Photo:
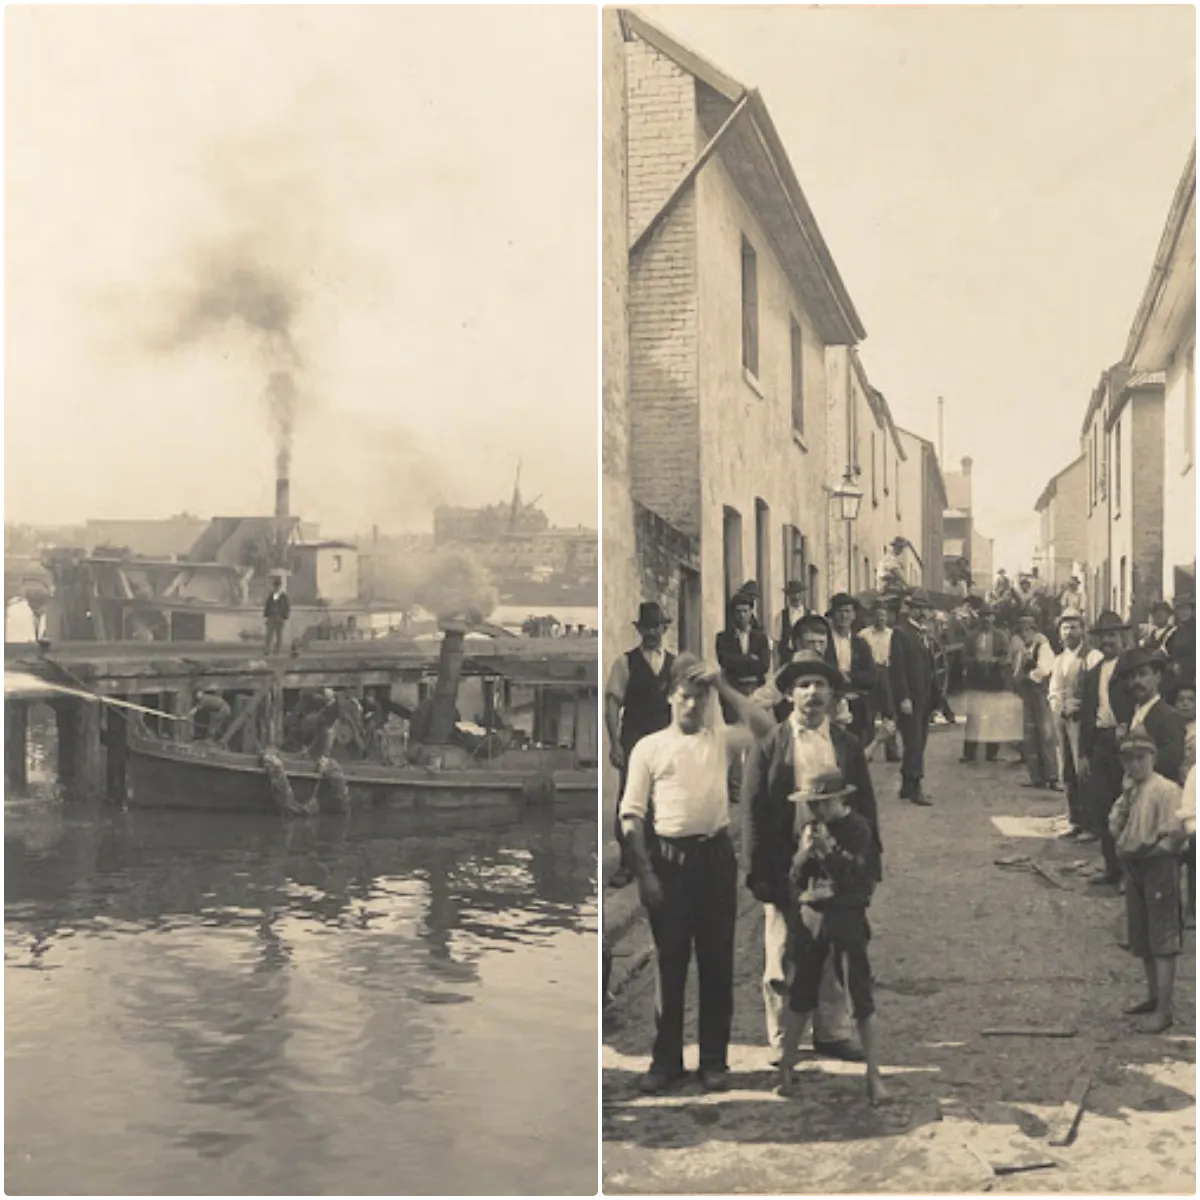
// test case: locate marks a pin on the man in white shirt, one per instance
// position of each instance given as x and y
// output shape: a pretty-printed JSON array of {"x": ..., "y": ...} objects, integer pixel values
[
  {"x": 1033, "y": 662},
  {"x": 687, "y": 878},
  {"x": 1066, "y": 699}
]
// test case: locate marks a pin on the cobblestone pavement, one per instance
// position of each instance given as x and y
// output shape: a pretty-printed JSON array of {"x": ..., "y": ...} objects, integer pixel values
[{"x": 960, "y": 945}]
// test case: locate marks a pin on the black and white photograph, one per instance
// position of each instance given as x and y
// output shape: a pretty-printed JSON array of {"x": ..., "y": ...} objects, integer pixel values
[
  {"x": 898, "y": 581},
  {"x": 301, "y": 694}
]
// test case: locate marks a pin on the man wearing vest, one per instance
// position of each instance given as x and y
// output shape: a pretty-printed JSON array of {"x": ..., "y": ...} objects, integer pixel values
[
  {"x": 276, "y": 612},
  {"x": 1104, "y": 712},
  {"x": 794, "y": 612},
  {"x": 635, "y": 704},
  {"x": 878, "y": 636},
  {"x": 911, "y": 678}
]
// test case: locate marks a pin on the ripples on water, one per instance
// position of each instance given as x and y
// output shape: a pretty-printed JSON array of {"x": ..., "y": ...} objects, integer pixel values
[{"x": 339, "y": 1006}]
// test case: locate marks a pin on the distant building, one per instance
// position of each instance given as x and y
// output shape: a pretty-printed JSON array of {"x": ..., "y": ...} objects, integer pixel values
[
  {"x": 1102, "y": 590},
  {"x": 323, "y": 572},
  {"x": 958, "y": 530},
  {"x": 1162, "y": 347},
  {"x": 922, "y": 502},
  {"x": 1062, "y": 525}
]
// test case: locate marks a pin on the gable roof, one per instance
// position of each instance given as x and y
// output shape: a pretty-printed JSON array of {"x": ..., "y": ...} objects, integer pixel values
[{"x": 754, "y": 155}]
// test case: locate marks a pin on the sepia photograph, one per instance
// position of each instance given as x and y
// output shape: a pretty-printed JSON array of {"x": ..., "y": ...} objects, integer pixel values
[
  {"x": 301, "y": 559},
  {"x": 897, "y": 836}
]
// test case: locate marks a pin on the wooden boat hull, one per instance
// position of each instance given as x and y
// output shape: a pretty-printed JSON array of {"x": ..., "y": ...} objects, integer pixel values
[{"x": 198, "y": 776}]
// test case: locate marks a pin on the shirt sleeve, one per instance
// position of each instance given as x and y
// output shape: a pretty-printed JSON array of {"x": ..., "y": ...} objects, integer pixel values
[
  {"x": 618, "y": 679},
  {"x": 1044, "y": 664},
  {"x": 1056, "y": 686},
  {"x": 639, "y": 782}
]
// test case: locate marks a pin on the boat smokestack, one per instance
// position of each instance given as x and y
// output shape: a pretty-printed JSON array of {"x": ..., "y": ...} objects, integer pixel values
[{"x": 445, "y": 692}]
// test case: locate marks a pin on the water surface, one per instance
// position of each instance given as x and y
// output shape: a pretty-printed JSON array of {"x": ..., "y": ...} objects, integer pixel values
[{"x": 337, "y": 1006}]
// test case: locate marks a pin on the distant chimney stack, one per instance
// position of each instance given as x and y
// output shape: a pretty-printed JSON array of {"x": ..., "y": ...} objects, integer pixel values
[{"x": 282, "y": 497}]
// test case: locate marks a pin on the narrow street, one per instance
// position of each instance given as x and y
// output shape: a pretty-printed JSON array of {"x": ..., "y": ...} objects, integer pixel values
[{"x": 961, "y": 945}]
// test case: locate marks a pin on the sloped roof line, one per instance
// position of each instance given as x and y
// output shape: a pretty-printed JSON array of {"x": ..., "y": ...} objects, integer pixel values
[{"x": 772, "y": 146}]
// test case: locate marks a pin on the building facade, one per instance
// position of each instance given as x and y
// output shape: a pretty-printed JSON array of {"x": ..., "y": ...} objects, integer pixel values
[
  {"x": 734, "y": 303},
  {"x": 1162, "y": 345},
  {"x": 1062, "y": 525},
  {"x": 923, "y": 504}
]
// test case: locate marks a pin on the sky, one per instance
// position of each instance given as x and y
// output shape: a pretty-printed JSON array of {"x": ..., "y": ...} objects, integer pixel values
[
  {"x": 993, "y": 183},
  {"x": 417, "y": 187}
]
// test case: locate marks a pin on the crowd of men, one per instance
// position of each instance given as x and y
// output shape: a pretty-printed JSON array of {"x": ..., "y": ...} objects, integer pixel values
[{"x": 786, "y": 724}]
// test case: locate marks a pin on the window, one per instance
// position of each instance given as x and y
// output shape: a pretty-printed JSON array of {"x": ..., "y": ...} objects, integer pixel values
[
  {"x": 762, "y": 559},
  {"x": 1121, "y": 606},
  {"x": 814, "y": 585},
  {"x": 733, "y": 552},
  {"x": 749, "y": 308},
  {"x": 797, "y": 379},
  {"x": 884, "y": 471},
  {"x": 1117, "y": 468},
  {"x": 874, "y": 484},
  {"x": 337, "y": 562}
]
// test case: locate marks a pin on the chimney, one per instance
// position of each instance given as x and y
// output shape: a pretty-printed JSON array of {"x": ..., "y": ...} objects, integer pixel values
[
  {"x": 966, "y": 466},
  {"x": 282, "y": 497}
]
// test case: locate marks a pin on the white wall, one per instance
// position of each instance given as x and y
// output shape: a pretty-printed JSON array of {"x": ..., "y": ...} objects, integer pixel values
[{"x": 1179, "y": 473}]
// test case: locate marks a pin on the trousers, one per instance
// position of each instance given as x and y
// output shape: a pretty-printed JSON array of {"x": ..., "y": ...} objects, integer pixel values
[
  {"x": 1100, "y": 794},
  {"x": 698, "y": 914},
  {"x": 274, "y": 634},
  {"x": 1068, "y": 756},
  {"x": 831, "y": 1021},
  {"x": 914, "y": 730}
]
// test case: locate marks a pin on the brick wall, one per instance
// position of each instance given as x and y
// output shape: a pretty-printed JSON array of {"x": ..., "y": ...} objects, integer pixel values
[
  {"x": 662, "y": 143},
  {"x": 661, "y": 551}
]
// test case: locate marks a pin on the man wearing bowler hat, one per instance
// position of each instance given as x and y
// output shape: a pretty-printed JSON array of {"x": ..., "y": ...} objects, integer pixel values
[
  {"x": 1180, "y": 643},
  {"x": 853, "y": 658},
  {"x": 635, "y": 704},
  {"x": 1141, "y": 671},
  {"x": 805, "y": 745},
  {"x": 1104, "y": 712},
  {"x": 795, "y": 610},
  {"x": 911, "y": 677},
  {"x": 1160, "y": 626}
]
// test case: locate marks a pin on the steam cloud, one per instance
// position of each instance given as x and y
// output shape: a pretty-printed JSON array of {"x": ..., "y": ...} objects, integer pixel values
[{"x": 232, "y": 289}]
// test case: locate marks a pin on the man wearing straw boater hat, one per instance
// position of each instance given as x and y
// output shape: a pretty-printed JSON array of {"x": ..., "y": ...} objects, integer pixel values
[
  {"x": 635, "y": 704},
  {"x": 1104, "y": 711},
  {"x": 804, "y": 746},
  {"x": 687, "y": 877}
]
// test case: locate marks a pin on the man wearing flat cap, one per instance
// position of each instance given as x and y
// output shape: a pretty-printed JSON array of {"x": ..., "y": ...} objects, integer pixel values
[
  {"x": 798, "y": 750},
  {"x": 687, "y": 877},
  {"x": 635, "y": 704}
]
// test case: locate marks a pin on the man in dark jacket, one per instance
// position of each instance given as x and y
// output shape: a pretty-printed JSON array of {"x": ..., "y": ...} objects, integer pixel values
[
  {"x": 636, "y": 704},
  {"x": 911, "y": 677},
  {"x": 1105, "y": 708},
  {"x": 794, "y": 611},
  {"x": 1141, "y": 671},
  {"x": 276, "y": 611},
  {"x": 743, "y": 649},
  {"x": 801, "y": 747},
  {"x": 854, "y": 660},
  {"x": 1180, "y": 644}
]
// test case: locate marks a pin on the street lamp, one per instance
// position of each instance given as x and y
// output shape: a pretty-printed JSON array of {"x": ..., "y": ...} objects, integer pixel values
[{"x": 848, "y": 498}]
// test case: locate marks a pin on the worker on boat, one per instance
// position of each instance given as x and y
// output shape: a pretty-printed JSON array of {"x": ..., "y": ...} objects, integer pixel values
[
  {"x": 324, "y": 725},
  {"x": 215, "y": 709},
  {"x": 276, "y": 612}
]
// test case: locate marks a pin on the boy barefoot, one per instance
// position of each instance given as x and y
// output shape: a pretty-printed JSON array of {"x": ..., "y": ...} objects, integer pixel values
[
  {"x": 1146, "y": 824},
  {"x": 833, "y": 877}
]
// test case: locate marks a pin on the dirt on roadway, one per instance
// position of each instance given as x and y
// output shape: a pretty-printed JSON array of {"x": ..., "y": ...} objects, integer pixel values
[{"x": 960, "y": 945}]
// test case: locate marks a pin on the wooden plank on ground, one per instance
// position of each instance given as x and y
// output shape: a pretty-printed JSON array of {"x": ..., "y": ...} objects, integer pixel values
[
  {"x": 1064, "y": 1125},
  {"x": 1063, "y": 1032}
]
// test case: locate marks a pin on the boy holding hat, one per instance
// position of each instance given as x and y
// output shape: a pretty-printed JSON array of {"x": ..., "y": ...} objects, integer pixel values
[
  {"x": 1145, "y": 823},
  {"x": 833, "y": 875}
]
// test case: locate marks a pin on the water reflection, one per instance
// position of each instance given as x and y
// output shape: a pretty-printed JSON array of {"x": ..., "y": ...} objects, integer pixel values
[{"x": 240, "y": 1004}]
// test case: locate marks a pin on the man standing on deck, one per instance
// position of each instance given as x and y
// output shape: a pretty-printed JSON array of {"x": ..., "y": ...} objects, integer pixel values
[
  {"x": 635, "y": 704},
  {"x": 276, "y": 611}
]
